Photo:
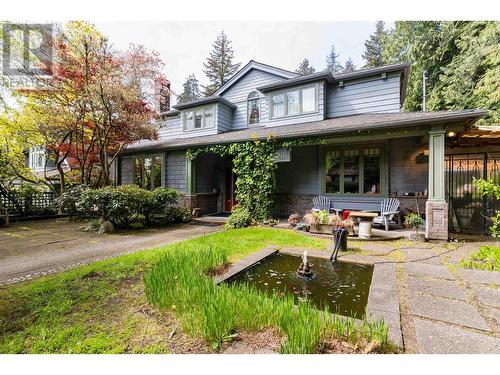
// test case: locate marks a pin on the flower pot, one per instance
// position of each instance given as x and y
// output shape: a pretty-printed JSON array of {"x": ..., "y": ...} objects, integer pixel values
[{"x": 321, "y": 228}]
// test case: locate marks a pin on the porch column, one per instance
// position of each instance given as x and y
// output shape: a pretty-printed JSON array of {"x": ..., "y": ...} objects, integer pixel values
[{"x": 436, "y": 208}]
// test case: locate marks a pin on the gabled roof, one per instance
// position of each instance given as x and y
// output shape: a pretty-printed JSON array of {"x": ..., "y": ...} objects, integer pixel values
[
  {"x": 329, "y": 127},
  {"x": 255, "y": 65},
  {"x": 207, "y": 100}
]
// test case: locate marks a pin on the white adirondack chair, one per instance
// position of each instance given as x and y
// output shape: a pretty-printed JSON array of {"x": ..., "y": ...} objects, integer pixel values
[
  {"x": 389, "y": 208},
  {"x": 321, "y": 203}
]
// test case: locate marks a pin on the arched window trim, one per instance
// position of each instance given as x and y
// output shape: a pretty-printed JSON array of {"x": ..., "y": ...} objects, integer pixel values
[{"x": 253, "y": 96}]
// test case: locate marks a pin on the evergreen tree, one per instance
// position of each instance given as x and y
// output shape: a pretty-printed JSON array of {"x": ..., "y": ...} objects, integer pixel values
[
  {"x": 373, "y": 46},
  {"x": 304, "y": 68},
  {"x": 461, "y": 59},
  {"x": 219, "y": 67},
  {"x": 332, "y": 63},
  {"x": 191, "y": 90},
  {"x": 349, "y": 66}
]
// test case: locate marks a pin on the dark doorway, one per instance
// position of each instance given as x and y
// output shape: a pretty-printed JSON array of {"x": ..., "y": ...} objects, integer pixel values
[
  {"x": 469, "y": 211},
  {"x": 229, "y": 189}
]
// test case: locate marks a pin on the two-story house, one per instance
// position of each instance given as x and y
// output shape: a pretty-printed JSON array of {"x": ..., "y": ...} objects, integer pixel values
[{"x": 374, "y": 150}]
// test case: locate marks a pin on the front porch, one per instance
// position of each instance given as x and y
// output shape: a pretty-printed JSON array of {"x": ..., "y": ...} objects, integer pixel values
[{"x": 356, "y": 173}]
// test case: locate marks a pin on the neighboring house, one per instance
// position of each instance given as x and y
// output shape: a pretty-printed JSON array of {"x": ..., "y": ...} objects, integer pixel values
[{"x": 373, "y": 150}]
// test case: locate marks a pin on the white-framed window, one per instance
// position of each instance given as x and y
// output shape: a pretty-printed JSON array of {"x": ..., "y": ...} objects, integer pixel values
[
  {"x": 199, "y": 118},
  {"x": 253, "y": 108},
  {"x": 37, "y": 158},
  {"x": 294, "y": 102}
]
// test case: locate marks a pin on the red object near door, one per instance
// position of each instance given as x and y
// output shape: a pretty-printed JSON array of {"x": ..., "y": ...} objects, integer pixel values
[{"x": 230, "y": 188}]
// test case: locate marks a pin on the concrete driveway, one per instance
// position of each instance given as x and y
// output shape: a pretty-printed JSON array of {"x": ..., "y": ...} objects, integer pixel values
[{"x": 38, "y": 248}]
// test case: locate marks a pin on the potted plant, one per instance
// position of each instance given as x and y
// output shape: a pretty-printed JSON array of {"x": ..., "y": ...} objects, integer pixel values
[
  {"x": 294, "y": 219},
  {"x": 414, "y": 220},
  {"x": 321, "y": 222}
]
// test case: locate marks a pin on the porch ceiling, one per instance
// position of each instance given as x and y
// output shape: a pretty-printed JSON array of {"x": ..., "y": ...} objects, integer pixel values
[{"x": 335, "y": 126}]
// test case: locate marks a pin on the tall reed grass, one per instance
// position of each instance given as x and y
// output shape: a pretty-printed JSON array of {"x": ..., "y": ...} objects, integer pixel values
[{"x": 178, "y": 281}]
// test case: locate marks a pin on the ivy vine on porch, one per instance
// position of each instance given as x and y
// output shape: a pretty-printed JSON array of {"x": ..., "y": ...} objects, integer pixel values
[{"x": 254, "y": 163}]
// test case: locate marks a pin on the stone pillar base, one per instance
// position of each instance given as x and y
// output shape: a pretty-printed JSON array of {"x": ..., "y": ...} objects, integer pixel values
[
  {"x": 188, "y": 201},
  {"x": 436, "y": 224}
]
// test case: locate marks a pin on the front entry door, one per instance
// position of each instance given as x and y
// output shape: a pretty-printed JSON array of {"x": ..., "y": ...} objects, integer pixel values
[{"x": 229, "y": 189}]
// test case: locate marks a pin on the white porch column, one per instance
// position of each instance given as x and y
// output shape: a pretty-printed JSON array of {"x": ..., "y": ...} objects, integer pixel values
[{"x": 436, "y": 209}]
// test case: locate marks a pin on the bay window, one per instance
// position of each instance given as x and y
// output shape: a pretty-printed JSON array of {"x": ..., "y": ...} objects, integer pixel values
[
  {"x": 147, "y": 171},
  {"x": 354, "y": 170},
  {"x": 294, "y": 102},
  {"x": 199, "y": 118}
]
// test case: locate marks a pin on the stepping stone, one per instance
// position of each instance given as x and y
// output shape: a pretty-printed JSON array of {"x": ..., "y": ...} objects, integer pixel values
[
  {"x": 479, "y": 276},
  {"x": 447, "y": 310},
  {"x": 494, "y": 314},
  {"x": 440, "y": 338},
  {"x": 440, "y": 288},
  {"x": 428, "y": 270},
  {"x": 488, "y": 296}
]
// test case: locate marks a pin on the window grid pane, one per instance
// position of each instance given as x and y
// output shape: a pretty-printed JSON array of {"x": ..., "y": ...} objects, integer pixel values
[
  {"x": 253, "y": 111},
  {"x": 332, "y": 176},
  {"x": 351, "y": 171},
  {"x": 293, "y": 106},
  {"x": 309, "y": 99},
  {"x": 278, "y": 105},
  {"x": 371, "y": 171}
]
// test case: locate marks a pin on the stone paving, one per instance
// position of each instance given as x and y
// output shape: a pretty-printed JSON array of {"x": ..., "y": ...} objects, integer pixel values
[
  {"x": 38, "y": 248},
  {"x": 444, "y": 308}
]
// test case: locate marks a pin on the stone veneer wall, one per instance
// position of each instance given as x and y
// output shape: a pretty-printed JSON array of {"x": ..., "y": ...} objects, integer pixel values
[
  {"x": 207, "y": 203},
  {"x": 287, "y": 204},
  {"x": 436, "y": 215}
]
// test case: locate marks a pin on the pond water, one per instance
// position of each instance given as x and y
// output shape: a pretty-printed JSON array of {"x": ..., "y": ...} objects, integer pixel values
[{"x": 342, "y": 286}]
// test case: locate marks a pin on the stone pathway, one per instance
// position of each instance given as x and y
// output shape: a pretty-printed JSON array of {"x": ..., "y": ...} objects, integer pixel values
[
  {"x": 443, "y": 307},
  {"x": 449, "y": 309}
]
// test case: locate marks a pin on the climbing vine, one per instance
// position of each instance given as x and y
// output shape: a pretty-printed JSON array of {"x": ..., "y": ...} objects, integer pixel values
[{"x": 254, "y": 163}]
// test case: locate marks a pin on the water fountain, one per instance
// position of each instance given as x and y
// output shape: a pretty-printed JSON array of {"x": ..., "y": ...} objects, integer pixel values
[{"x": 305, "y": 269}]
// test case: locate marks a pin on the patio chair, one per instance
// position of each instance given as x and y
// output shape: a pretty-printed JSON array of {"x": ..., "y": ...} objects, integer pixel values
[
  {"x": 389, "y": 209},
  {"x": 321, "y": 203}
]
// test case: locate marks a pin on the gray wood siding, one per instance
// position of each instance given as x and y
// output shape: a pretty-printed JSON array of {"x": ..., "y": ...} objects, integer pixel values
[
  {"x": 364, "y": 96},
  {"x": 407, "y": 165},
  {"x": 224, "y": 118},
  {"x": 301, "y": 175},
  {"x": 176, "y": 171},
  {"x": 126, "y": 170},
  {"x": 239, "y": 92}
]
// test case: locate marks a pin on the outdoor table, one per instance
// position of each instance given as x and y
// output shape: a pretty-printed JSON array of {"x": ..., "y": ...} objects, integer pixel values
[{"x": 365, "y": 225}]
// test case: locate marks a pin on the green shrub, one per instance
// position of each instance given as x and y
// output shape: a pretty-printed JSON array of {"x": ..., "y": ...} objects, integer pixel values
[
  {"x": 178, "y": 214},
  {"x": 487, "y": 258},
  {"x": 123, "y": 204},
  {"x": 68, "y": 201},
  {"x": 489, "y": 189},
  {"x": 240, "y": 217}
]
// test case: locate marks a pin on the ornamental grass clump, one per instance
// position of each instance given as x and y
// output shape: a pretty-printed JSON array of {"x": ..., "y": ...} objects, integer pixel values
[{"x": 179, "y": 281}]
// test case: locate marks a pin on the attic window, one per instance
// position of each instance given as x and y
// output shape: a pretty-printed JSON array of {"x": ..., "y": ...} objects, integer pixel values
[{"x": 253, "y": 108}]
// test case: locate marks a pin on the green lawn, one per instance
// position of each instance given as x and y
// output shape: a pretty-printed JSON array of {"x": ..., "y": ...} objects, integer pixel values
[{"x": 101, "y": 308}]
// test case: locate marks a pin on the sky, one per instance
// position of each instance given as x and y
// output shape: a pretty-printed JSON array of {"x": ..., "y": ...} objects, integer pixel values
[{"x": 184, "y": 46}]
